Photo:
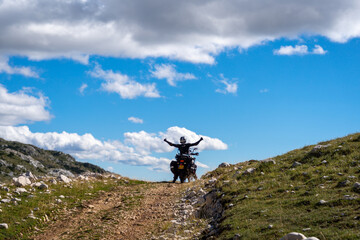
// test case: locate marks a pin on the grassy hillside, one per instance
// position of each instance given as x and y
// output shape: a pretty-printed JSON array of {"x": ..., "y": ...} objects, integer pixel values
[{"x": 279, "y": 198}]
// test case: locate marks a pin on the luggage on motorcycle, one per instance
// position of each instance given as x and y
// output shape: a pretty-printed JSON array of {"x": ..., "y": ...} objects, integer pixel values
[{"x": 193, "y": 168}]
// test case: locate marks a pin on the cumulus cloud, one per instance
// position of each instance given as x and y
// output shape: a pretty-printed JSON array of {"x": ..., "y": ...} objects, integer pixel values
[
  {"x": 136, "y": 149},
  {"x": 290, "y": 50},
  {"x": 6, "y": 68},
  {"x": 168, "y": 72},
  {"x": 82, "y": 88},
  {"x": 194, "y": 31},
  {"x": 265, "y": 90},
  {"x": 136, "y": 120},
  {"x": 22, "y": 107},
  {"x": 299, "y": 50},
  {"x": 124, "y": 85}
]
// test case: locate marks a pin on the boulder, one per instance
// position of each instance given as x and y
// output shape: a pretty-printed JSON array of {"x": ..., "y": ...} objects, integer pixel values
[
  {"x": 356, "y": 187},
  {"x": 249, "y": 171},
  {"x": 43, "y": 186},
  {"x": 293, "y": 236},
  {"x": 224, "y": 164},
  {"x": 52, "y": 181},
  {"x": 30, "y": 176},
  {"x": 64, "y": 179},
  {"x": 21, "y": 181},
  {"x": 59, "y": 172},
  {"x": 20, "y": 190},
  {"x": 269, "y": 160}
]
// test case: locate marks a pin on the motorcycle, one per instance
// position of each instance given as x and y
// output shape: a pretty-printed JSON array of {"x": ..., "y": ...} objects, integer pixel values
[{"x": 184, "y": 166}]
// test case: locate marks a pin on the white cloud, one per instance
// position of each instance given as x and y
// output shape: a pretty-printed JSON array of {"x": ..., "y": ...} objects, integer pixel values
[
  {"x": 22, "y": 107},
  {"x": 168, "y": 72},
  {"x": 265, "y": 90},
  {"x": 290, "y": 50},
  {"x": 110, "y": 169},
  {"x": 319, "y": 50},
  {"x": 193, "y": 31},
  {"x": 136, "y": 120},
  {"x": 299, "y": 50},
  {"x": 137, "y": 148},
  {"x": 82, "y": 88},
  {"x": 229, "y": 87},
  {"x": 6, "y": 68},
  {"x": 123, "y": 85}
]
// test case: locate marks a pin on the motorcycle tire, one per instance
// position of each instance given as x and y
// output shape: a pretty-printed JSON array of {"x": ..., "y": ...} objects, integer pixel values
[{"x": 182, "y": 178}]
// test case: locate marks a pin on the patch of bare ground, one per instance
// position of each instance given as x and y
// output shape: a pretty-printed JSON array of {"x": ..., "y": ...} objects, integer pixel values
[{"x": 128, "y": 212}]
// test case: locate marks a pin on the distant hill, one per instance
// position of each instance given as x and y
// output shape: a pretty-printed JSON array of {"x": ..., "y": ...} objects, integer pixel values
[
  {"x": 17, "y": 158},
  {"x": 313, "y": 190}
]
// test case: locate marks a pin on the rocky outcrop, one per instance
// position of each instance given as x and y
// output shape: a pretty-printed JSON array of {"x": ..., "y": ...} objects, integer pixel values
[{"x": 22, "y": 159}]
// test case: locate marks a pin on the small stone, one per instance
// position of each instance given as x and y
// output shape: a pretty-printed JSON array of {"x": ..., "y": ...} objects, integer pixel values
[
  {"x": 270, "y": 226},
  {"x": 61, "y": 196},
  {"x": 293, "y": 236},
  {"x": 322, "y": 202},
  {"x": 249, "y": 171},
  {"x": 343, "y": 183},
  {"x": 237, "y": 237},
  {"x": 58, "y": 201},
  {"x": 4, "y": 226},
  {"x": 311, "y": 238},
  {"x": 295, "y": 164},
  {"x": 224, "y": 164},
  {"x": 324, "y": 162}
]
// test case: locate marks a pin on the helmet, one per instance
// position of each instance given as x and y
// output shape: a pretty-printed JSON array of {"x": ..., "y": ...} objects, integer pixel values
[{"x": 182, "y": 140}]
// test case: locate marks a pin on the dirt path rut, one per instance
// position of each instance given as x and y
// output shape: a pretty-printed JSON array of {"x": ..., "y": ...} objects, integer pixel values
[{"x": 129, "y": 212}]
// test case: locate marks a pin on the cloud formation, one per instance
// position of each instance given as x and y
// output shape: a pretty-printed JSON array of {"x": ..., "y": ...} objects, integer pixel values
[
  {"x": 228, "y": 86},
  {"x": 299, "y": 50},
  {"x": 136, "y": 120},
  {"x": 168, "y": 72},
  {"x": 136, "y": 149},
  {"x": 82, "y": 88},
  {"x": 193, "y": 31},
  {"x": 123, "y": 84},
  {"x": 6, "y": 68},
  {"x": 22, "y": 107}
]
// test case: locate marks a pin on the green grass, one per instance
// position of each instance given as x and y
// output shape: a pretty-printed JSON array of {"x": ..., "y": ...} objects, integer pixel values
[
  {"x": 289, "y": 198},
  {"x": 21, "y": 227}
]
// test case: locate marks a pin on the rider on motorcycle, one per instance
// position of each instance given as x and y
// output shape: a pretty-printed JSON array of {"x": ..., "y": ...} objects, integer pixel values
[
  {"x": 183, "y": 146},
  {"x": 183, "y": 149}
]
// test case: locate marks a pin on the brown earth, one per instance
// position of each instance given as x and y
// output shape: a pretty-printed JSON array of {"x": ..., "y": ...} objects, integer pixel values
[{"x": 129, "y": 212}]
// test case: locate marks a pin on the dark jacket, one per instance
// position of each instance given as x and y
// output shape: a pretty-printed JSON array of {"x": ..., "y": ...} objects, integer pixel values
[{"x": 183, "y": 148}]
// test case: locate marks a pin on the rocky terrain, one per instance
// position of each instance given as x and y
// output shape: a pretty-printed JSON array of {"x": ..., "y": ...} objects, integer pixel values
[
  {"x": 18, "y": 158},
  {"x": 310, "y": 193}
]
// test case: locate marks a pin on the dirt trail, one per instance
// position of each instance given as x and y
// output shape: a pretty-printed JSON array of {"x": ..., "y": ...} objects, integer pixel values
[{"x": 129, "y": 212}]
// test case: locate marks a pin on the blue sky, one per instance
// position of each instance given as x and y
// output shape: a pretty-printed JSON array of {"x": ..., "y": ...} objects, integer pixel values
[{"x": 252, "y": 90}]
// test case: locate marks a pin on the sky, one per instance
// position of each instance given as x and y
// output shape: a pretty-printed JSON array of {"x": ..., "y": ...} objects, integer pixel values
[{"x": 106, "y": 81}]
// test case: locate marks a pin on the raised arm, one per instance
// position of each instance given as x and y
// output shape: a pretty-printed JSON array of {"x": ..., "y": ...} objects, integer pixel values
[
  {"x": 170, "y": 143},
  {"x": 196, "y": 143}
]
